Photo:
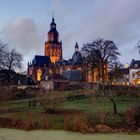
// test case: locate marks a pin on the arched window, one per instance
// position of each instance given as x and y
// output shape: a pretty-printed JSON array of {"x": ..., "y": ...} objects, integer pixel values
[
  {"x": 50, "y": 72},
  {"x": 39, "y": 74},
  {"x": 79, "y": 68}
]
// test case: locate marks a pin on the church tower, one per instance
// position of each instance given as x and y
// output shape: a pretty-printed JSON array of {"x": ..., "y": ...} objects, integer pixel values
[{"x": 53, "y": 47}]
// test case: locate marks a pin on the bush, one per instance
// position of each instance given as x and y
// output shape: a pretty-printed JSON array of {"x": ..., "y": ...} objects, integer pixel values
[
  {"x": 67, "y": 121},
  {"x": 80, "y": 122},
  {"x": 5, "y": 94},
  {"x": 28, "y": 121},
  {"x": 132, "y": 115},
  {"x": 115, "y": 120}
]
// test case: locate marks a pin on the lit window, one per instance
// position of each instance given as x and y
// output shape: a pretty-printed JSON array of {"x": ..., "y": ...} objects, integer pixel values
[{"x": 39, "y": 74}]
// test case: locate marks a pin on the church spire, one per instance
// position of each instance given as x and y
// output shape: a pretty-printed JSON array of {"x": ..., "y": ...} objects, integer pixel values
[
  {"x": 52, "y": 16},
  {"x": 53, "y": 25},
  {"x": 76, "y": 47}
]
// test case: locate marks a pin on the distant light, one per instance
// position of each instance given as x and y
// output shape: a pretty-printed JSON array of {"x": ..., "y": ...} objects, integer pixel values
[{"x": 126, "y": 65}]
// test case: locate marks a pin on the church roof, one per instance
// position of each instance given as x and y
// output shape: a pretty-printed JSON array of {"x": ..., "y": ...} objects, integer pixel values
[
  {"x": 77, "y": 58},
  {"x": 135, "y": 64},
  {"x": 41, "y": 60}
]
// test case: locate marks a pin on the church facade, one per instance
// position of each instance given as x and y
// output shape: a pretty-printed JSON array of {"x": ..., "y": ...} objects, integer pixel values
[{"x": 52, "y": 62}]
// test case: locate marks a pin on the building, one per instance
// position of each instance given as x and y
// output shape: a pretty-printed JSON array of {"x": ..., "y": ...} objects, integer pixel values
[
  {"x": 119, "y": 76},
  {"x": 37, "y": 67},
  {"x": 55, "y": 81},
  {"x": 12, "y": 78},
  {"x": 134, "y": 73},
  {"x": 53, "y": 63}
]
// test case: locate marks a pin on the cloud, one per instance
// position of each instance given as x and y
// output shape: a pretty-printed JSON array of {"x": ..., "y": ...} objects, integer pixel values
[
  {"x": 118, "y": 20},
  {"x": 23, "y": 34},
  {"x": 82, "y": 21}
]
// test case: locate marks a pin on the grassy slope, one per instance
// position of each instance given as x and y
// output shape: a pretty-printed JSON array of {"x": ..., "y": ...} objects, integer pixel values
[{"x": 89, "y": 105}]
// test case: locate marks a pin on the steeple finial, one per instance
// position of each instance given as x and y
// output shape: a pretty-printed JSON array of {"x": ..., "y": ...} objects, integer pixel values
[
  {"x": 52, "y": 16},
  {"x": 76, "y": 47}
]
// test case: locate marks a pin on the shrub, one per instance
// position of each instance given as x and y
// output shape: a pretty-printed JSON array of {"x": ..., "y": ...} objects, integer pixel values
[
  {"x": 14, "y": 119},
  {"x": 27, "y": 122},
  {"x": 80, "y": 122},
  {"x": 45, "y": 121},
  {"x": 83, "y": 123},
  {"x": 115, "y": 120},
  {"x": 132, "y": 115},
  {"x": 67, "y": 121},
  {"x": 76, "y": 122}
]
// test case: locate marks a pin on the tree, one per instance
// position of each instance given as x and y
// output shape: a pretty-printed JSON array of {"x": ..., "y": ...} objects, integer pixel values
[
  {"x": 138, "y": 46},
  {"x": 116, "y": 73},
  {"x": 10, "y": 60},
  {"x": 100, "y": 53},
  {"x": 2, "y": 51},
  {"x": 50, "y": 99}
]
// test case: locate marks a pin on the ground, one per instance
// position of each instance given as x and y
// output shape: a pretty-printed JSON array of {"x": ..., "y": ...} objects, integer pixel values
[{"x": 11, "y": 134}]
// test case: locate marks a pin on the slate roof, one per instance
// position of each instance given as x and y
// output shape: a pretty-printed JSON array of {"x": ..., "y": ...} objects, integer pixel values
[
  {"x": 73, "y": 75},
  {"x": 77, "y": 58},
  {"x": 135, "y": 63},
  {"x": 41, "y": 60}
]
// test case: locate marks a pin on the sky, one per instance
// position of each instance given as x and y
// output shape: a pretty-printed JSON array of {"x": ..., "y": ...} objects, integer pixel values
[{"x": 24, "y": 25}]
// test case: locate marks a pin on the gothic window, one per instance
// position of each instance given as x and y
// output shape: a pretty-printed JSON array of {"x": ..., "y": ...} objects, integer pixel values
[
  {"x": 50, "y": 71},
  {"x": 39, "y": 74}
]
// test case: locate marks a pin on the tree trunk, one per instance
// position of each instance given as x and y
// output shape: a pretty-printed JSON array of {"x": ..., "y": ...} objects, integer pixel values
[{"x": 114, "y": 105}]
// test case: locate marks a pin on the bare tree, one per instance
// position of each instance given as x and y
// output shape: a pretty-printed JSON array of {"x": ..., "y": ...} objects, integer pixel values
[
  {"x": 2, "y": 51},
  {"x": 116, "y": 73},
  {"x": 10, "y": 60},
  {"x": 50, "y": 99},
  {"x": 138, "y": 46},
  {"x": 100, "y": 53}
]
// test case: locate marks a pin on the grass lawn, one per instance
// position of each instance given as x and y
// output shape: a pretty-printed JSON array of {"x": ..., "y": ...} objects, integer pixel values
[{"x": 90, "y": 105}]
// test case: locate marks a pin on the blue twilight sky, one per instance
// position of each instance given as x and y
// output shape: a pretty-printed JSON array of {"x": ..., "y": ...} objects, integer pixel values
[{"x": 24, "y": 24}]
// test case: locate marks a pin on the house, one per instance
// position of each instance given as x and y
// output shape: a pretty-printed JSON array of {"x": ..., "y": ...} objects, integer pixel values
[
  {"x": 12, "y": 78},
  {"x": 134, "y": 73},
  {"x": 54, "y": 82},
  {"x": 119, "y": 76}
]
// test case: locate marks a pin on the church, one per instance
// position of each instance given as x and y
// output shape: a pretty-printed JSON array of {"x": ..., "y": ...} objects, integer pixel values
[{"x": 53, "y": 64}]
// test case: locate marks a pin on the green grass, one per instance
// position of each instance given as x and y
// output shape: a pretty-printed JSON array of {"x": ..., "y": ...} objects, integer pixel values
[{"x": 90, "y": 105}]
